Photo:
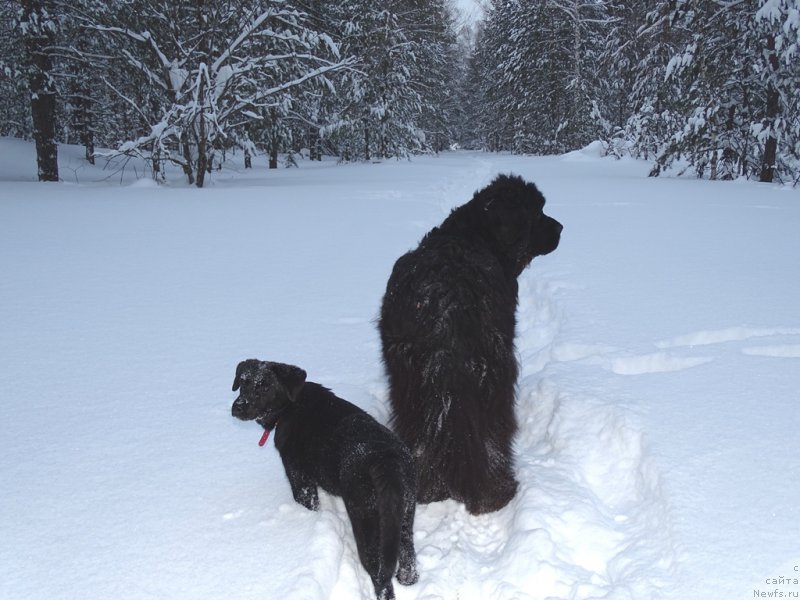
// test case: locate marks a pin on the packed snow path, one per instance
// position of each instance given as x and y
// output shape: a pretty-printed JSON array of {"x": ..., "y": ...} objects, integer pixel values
[{"x": 658, "y": 345}]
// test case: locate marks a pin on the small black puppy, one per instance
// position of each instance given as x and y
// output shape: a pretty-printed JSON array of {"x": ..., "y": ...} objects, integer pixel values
[{"x": 329, "y": 442}]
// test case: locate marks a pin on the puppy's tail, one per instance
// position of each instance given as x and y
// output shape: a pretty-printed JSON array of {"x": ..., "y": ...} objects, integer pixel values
[{"x": 387, "y": 479}]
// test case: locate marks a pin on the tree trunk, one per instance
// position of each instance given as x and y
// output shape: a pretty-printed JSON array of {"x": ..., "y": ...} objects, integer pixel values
[
  {"x": 202, "y": 141},
  {"x": 273, "y": 156},
  {"x": 366, "y": 141},
  {"x": 200, "y": 126},
  {"x": 274, "y": 142},
  {"x": 577, "y": 74},
  {"x": 88, "y": 143},
  {"x": 155, "y": 160},
  {"x": 39, "y": 36},
  {"x": 202, "y": 155},
  {"x": 82, "y": 120},
  {"x": 43, "y": 109},
  {"x": 81, "y": 99},
  {"x": 773, "y": 109},
  {"x": 187, "y": 158},
  {"x": 314, "y": 145},
  {"x": 713, "y": 159}
]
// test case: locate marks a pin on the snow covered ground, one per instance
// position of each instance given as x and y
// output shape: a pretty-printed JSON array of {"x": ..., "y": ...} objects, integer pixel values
[{"x": 660, "y": 353}]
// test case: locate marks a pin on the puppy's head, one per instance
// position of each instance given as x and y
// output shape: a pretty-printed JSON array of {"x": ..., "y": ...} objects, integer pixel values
[
  {"x": 513, "y": 210},
  {"x": 266, "y": 389}
]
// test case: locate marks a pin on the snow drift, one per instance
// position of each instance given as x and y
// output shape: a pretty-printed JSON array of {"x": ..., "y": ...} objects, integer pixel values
[{"x": 658, "y": 350}]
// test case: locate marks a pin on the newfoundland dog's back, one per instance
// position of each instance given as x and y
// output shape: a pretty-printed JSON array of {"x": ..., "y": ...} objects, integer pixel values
[{"x": 447, "y": 329}]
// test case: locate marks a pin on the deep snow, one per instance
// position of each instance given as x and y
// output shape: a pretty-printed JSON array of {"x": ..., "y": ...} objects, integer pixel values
[{"x": 659, "y": 348}]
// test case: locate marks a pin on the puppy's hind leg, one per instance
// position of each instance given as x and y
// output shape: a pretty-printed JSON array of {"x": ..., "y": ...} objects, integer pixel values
[{"x": 407, "y": 564}]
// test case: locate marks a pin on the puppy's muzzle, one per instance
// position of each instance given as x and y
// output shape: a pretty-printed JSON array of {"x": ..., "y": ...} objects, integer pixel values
[{"x": 241, "y": 410}]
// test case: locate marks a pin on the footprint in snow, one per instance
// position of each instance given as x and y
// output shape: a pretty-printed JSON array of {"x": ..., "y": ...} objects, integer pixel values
[
  {"x": 741, "y": 334},
  {"x": 666, "y": 360},
  {"x": 721, "y": 336},
  {"x": 658, "y": 362},
  {"x": 787, "y": 351}
]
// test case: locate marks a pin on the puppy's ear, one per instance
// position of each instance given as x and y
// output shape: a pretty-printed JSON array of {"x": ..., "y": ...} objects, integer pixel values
[
  {"x": 292, "y": 377},
  {"x": 237, "y": 379}
]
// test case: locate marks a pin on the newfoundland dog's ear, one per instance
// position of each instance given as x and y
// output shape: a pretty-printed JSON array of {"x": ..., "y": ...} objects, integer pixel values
[
  {"x": 508, "y": 223},
  {"x": 294, "y": 378}
]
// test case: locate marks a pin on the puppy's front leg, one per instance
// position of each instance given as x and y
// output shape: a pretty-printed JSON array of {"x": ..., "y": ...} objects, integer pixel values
[{"x": 304, "y": 489}]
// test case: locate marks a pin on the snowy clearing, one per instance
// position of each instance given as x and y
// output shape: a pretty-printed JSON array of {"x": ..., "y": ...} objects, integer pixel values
[{"x": 659, "y": 351}]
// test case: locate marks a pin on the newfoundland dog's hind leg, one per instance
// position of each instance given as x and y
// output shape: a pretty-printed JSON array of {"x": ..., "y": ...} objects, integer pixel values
[{"x": 487, "y": 483}]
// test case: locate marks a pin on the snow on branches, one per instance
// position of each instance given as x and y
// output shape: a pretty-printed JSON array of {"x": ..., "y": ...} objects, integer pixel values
[{"x": 213, "y": 69}]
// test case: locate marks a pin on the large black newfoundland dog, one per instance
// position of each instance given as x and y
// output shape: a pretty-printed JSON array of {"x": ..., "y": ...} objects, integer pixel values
[
  {"x": 325, "y": 441},
  {"x": 447, "y": 328}
]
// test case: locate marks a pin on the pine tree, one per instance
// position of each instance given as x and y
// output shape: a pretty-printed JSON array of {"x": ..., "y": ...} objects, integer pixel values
[
  {"x": 728, "y": 98},
  {"x": 500, "y": 65},
  {"x": 399, "y": 98},
  {"x": 15, "y": 111},
  {"x": 440, "y": 68},
  {"x": 538, "y": 64},
  {"x": 470, "y": 127},
  {"x": 620, "y": 84},
  {"x": 385, "y": 104},
  {"x": 777, "y": 27},
  {"x": 654, "y": 98}
]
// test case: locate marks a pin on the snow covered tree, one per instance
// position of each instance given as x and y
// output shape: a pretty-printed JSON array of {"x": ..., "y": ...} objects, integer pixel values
[
  {"x": 82, "y": 89},
  {"x": 180, "y": 82},
  {"x": 399, "y": 99},
  {"x": 42, "y": 50},
  {"x": 497, "y": 113},
  {"x": 37, "y": 26},
  {"x": 620, "y": 84},
  {"x": 731, "y": 88},
  {"x": 211, "y": 69},
  {"x": 652, "y": 98},
  {"x": 469, "y": 121},
  {"x": 538, "y": 65},
  {"x": 440, "y": 66},
  {"x": 15, "y": 109},
  {"x": 777, "y": 25},
  {"x": 378, "y": 106},
  {"x": 588, "y": 22}
]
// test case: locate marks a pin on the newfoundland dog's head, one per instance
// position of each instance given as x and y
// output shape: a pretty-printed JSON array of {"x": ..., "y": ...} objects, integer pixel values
[{"x": 508, "y": 216}]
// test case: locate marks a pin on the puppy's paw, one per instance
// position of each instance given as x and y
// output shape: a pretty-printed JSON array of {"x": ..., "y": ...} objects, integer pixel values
[
  {"x": 407, "y": 575},
  {"x": 386, "y": 593}
]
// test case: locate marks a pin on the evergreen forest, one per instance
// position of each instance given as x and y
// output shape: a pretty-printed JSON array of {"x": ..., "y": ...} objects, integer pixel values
[{"x": 704, "y": 87}]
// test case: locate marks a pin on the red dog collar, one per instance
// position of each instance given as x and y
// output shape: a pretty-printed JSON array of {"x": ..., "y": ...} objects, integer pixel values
[{"x": 264, "y": 438}]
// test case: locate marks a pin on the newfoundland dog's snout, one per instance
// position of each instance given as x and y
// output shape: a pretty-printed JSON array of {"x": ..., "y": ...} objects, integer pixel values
[
  {"x": 548, "y": 235},
  {"x": 551, "y": 226}
]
